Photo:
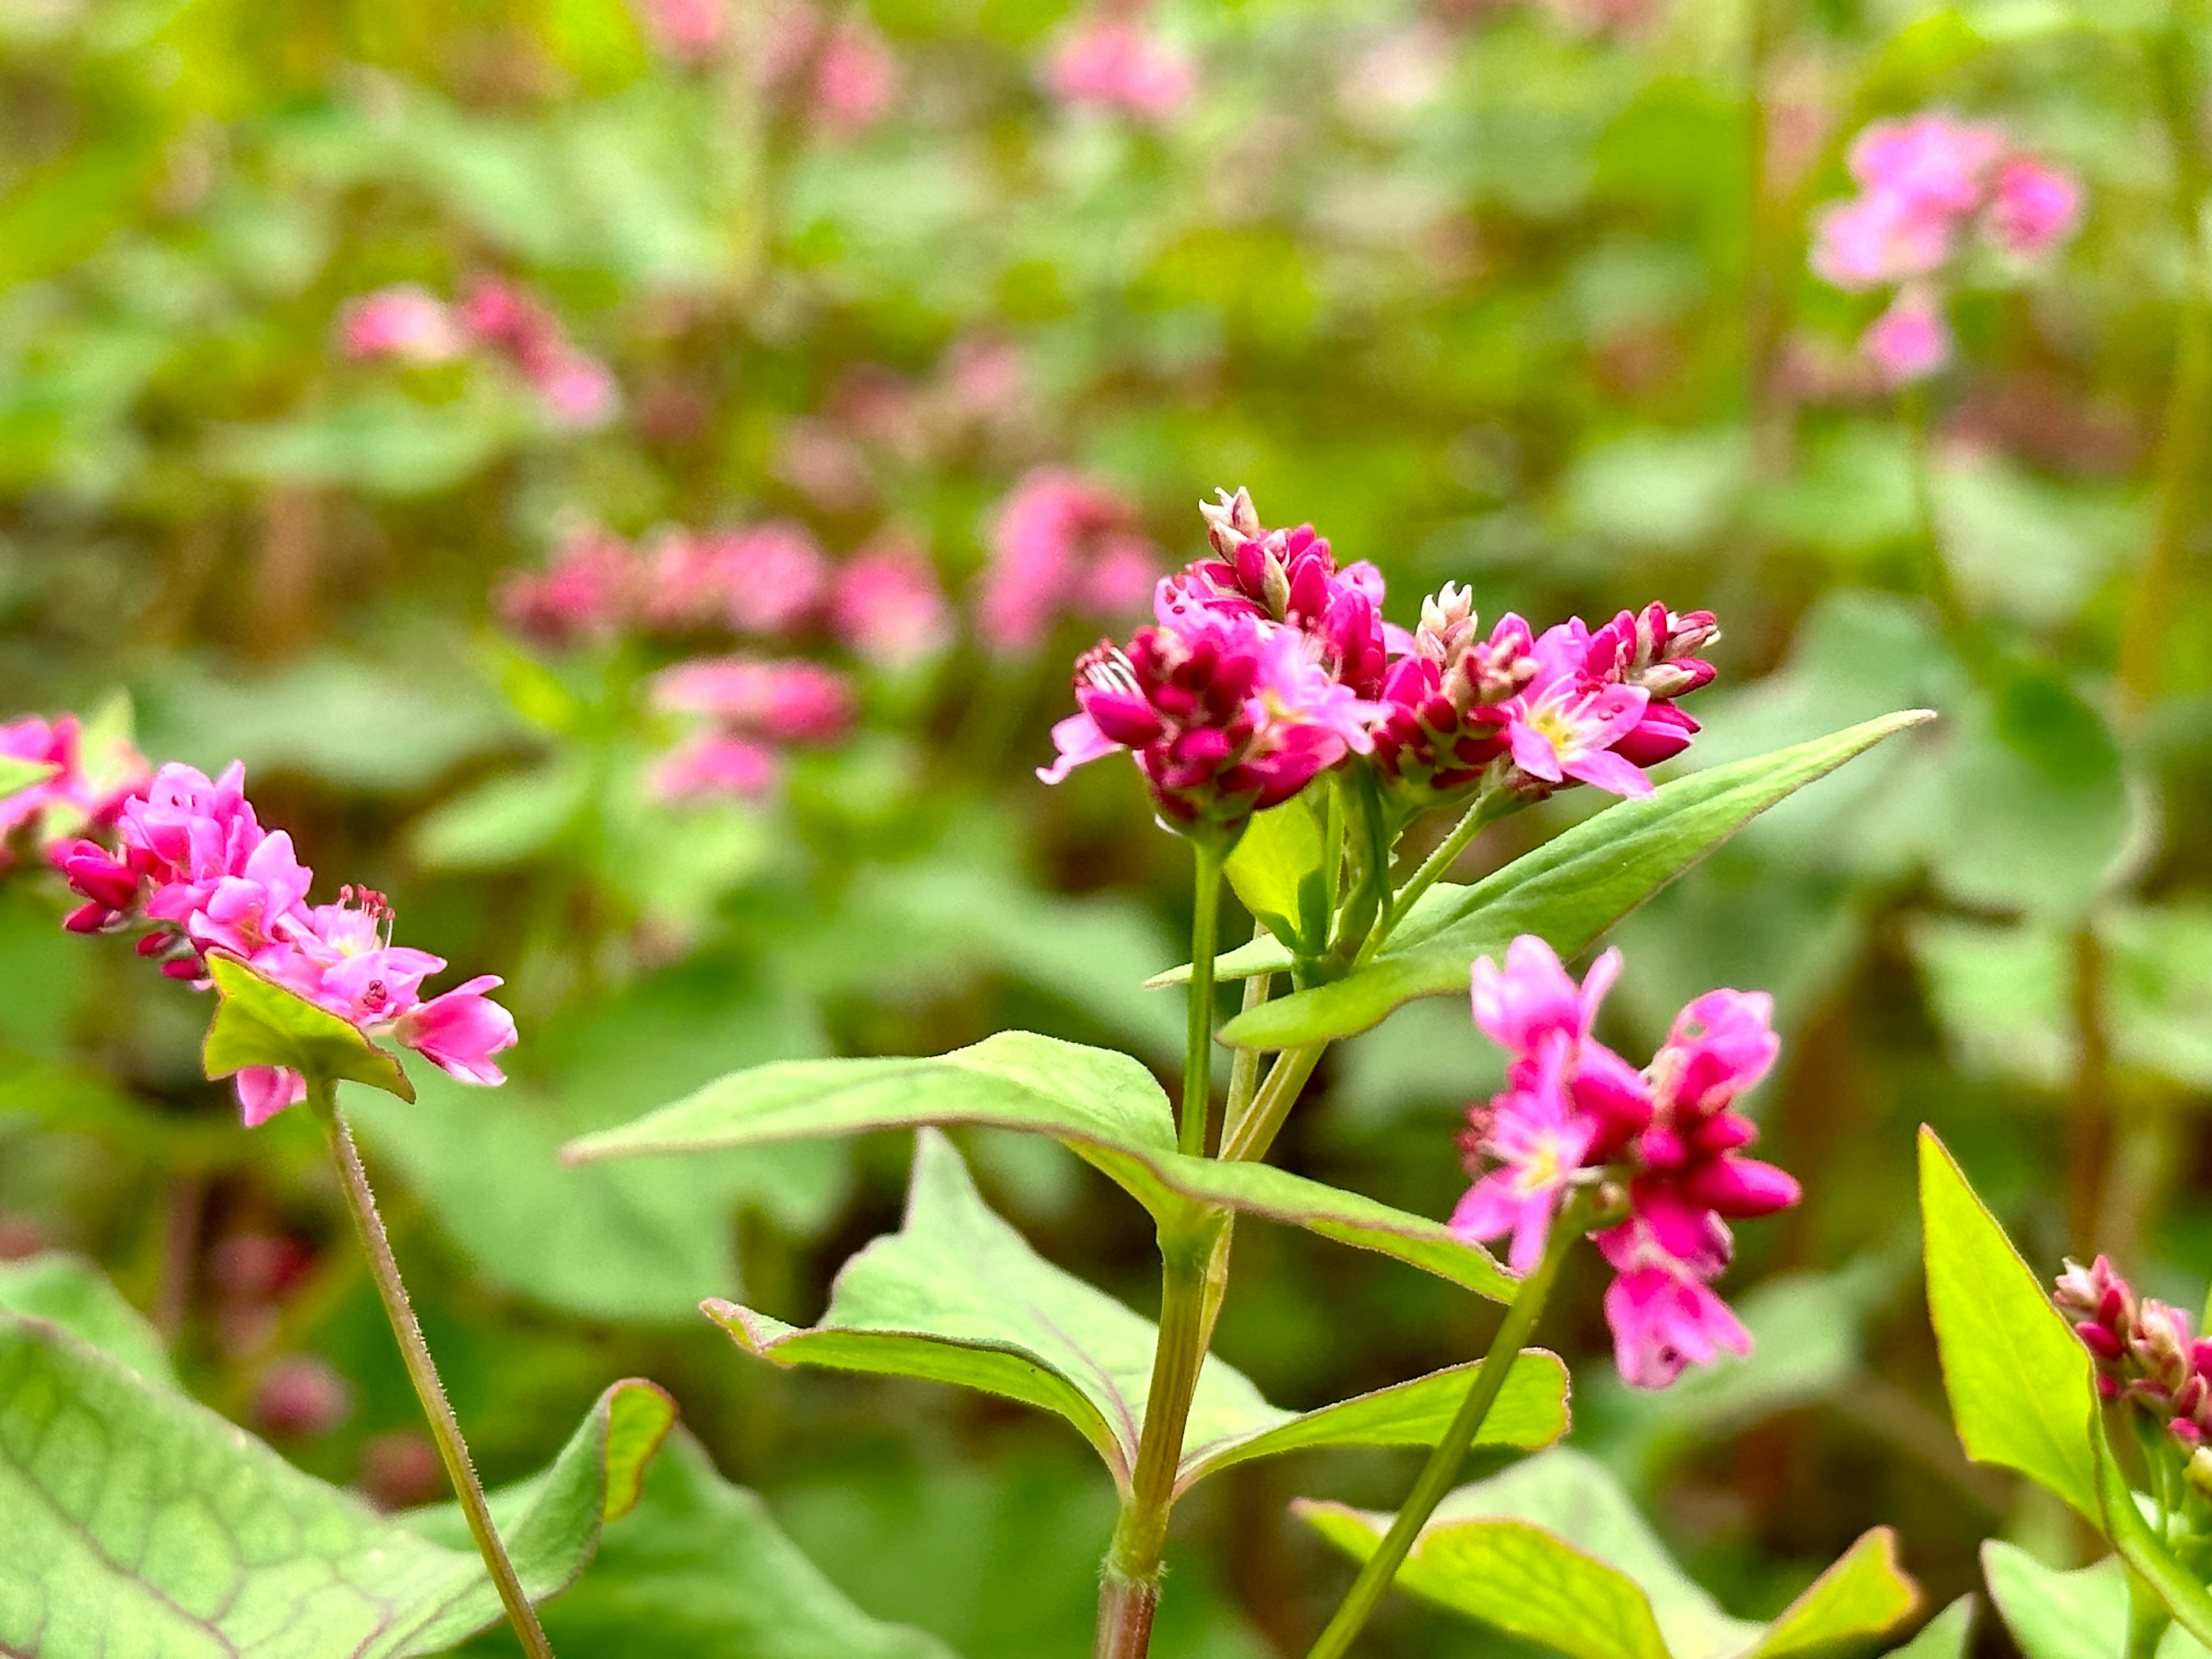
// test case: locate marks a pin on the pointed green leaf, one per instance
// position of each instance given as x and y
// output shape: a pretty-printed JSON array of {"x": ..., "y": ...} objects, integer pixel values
[
  {"x": 700, "y": 1569},
  {"x": 1280, "y": 871},
  {"x": 139, "y": 1522},
  {"x": 257, "y": 1022},
  {"x": 1943, "y": 1636},
  {"x": 1569, "y": 891},
  {"x": 1103, "y": 1106},
  {"x": 957, "y": 1295},
  {"x": 17, "y": 776},
  {"x": 2081, "y": 1614},
  {"x": 1863, "y": 1593},
  {"x": 68, "y": 1290},
  {"x": 2023, "y": 1392},
  {"x": 1552, "y": 1550}
]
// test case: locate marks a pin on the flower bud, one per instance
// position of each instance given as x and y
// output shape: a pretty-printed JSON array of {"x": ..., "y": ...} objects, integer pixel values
[{"x": 1230, "y": 521}]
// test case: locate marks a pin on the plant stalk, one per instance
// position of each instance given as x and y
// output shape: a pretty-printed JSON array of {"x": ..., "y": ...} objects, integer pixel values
[
  {"x": 1451, "y": 1453},
  {"x": 1485, "y": 810},
  {"x": 1255, "y": 1130},
  {"x": 1198, "y": 1051},
  {"x": 444, "y": 1430}
]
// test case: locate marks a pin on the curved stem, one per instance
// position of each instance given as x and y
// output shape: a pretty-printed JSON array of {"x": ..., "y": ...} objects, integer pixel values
[
  {"x": 1485, "y": 810},
  {"x": 1255, "y": 1131},
  {"x": 1198, "y": 1049},
  {"x": 1451, "y": 1453},
  {"x": 444, "y": 1430}
]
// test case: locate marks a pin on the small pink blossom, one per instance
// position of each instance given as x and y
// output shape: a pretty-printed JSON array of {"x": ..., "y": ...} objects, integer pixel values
[
  {"x": 404, "y": 321},
  {"x": 591, "y": 589},
  {"x": 1533, "y": 1141},
  {"x": 688, "y": 31},
  {"x": 1564, "y": 723},
  {"x": 855, "y": 78},
  {"x": 578, "y": 390},
  {"x": 1115, "y": 64},
  {"x": 1535, "y": 998},
  {"x": 792, "y": 701},
  {"x": 1872, "y": 241},
  {"x": 302, "y": 1397},
  {"x": 85, "y": 789},
  {"x": 1930, "y": 163},
  {"x": 2036, "y": 207},
  {"x": 461, "y": 1031},
  {"x": 887, "y": 605},
  {"x": 1908, "y": 341},
  {"x": 1664, "y": 1319}
]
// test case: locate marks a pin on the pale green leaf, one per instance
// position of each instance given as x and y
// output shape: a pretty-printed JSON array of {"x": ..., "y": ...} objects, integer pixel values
[
  {"x": 503, "y": 820},
  {"x": 139, "y": 1522},
  {"x": 700, "y": 1569},
  {"x": 17, "y": 774},
  {"x": 1568, "y": 891},
  {"x": 2082, "y": 1614},
  {"x": 1279, "y": 870},
  {"x": 2022, "y": 1386},
  {"x": 1943, "y": 1636},
  {"x": 957, "y": 1295},
  {"x": 257, "y": 1022},
  {"x": 1553, "y": 1551},
  {"x": 1104, "y": 1106},
  {"x": 69, "y": 1291}
]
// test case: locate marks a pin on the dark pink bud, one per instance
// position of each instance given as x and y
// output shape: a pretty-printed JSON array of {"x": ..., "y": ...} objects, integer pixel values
[
  {"x": 1742, "y": 1187},
  {"x": 2103, "y": 1343},
  {"x": 2185, "y": 1432},
  {"x": 186, "y": 969},
  {"x": 87, "y": 918}
]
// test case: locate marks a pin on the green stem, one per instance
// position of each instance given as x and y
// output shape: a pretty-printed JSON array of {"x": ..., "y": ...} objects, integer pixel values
[
  {"x": 1451, "y": 1453},
  {"x": 444, "y": 1430},
  {"x": 1198, "y": 1049},
  {"x": 1244, "y": 1066},
  {"x": 1256, "y": 1129},
  {"x": 1485, "y": 810}
]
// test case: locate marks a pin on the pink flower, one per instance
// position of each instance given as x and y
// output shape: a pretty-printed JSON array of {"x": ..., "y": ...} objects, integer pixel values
[
  {"x": 577, "y": 390},
  {"x": 774, "y": 577},
  {"x": 1118, "y": 65},
  {"x": 1908, "y": 341},
  {"x": 1663, "y": 1320},
  {"x": 1535, "y": 998},
  {"x": 792, "y": 701},
  {"x": 856, "y": 77},
  {"x": 83, "y": 790},
  {"x": 461, "y": 1031},
  {"x": 689, "y": 31},
  {"x": 592, "y": 588},
  {"x": 886, "y": 604},
  {"x": 1931, "y": 162},
  {"x": 713, "y": 763},
  {"x": 1445, "y": 727},
  {"x": 402, "y": 321},
  {"x": 1534, "y": 1141},
  {"x": 1872, "y": 241},
  {"x": 1227, "y": 715},
  {"x": 1062, "y": 545},
  {"x": 1566, "y": 724},
  {"x": 2036, "y": 207}
]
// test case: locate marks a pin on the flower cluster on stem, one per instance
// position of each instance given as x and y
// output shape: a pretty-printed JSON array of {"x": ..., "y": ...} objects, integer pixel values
[
  {"x": 188, "y": 861},
  {"x": 2149, "y": 1358},
  {"x": 1662, "y": 1145}
]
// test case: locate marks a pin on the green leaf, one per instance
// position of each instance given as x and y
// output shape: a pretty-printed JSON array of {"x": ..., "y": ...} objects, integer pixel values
[
  {"x": 139, "y": 1522},
  {"x": 1103, "y": 1106},
  {"x": 957, "y": 1295},
  {"x": 17, "y": 776},
  {"x": 505, "y": 819},
  {"x": 1552, "y": 1550},
  {"x": 69, "y": 1291},
  {"x": 1943, "y": 1636},
  {"x": 2081, "y": 1614},
  {"x": 2143, "y": 1549},
  {"x": 1279, "y": 870},
  {"x": 1569, "y": 891},
  {"x": 257, "y": 1022},
  {"x": 700, "y": 1568},
  {"x": 2022, "y": 1388}
]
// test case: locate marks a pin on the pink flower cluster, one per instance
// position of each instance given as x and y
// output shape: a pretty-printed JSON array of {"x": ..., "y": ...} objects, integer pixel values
[
  {"x": 1115, "y": 64},
  {"x": 2146, "y": 1353},
  {"x": 192, "y": 864},
  {"x": 1925, "y": 183},
  {"x": 1269, "y": 663},
  {"x": 81, "y": 792},
  {"x": 1666, "y": 1139},
  {"x": 410, "y": 325},
  {"x": 754, "y": 705},
  {"x": 1063, "y": 545},
  {"x": 1572, "y": 704},
  {"x": 849, "y": 75},
  {"x": 767, "y": 581}
]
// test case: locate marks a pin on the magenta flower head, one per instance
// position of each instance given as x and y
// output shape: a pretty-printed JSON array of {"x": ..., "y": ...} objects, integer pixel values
[
  {"x": 192, "y": 864},
  {"x": 591, "y": 590},
  {"x": 1564, "y": 725},
  {"x": 1225, "y": 714},
  {"x": 1445, "y": 726},
  {"x": 1114, "y": 65},
  {"x": 715, "y": 763},
  {"x": 887, "y": 605},
  {"x": 1666, "y": 1139},
  {"x": 2036, "y": 207},
  {"x": 790, "y": 701}
]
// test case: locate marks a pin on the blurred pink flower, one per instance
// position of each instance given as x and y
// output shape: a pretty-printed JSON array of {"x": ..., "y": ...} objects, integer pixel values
[
  {"x": 302, "y": 1397},
  {"x": 404, "y": 321},
  {"x": 1117, "y": 65},
  {"x": 2036, "y": 207},
  {"x": 590, "y": 588},
  {"x": 712, "y": 765},
  {"x": 887, "y": 605},
  {"x": 84, "y": 789},
  {"x": 577, "y": 390},
  {"x": 791, "y": 701},
  {"x": 1870, "y": 240},
  {"x": 1908, "y": 341},
  {"x": 986, "y": 376},
  {"x": 689, "y": 31},
  {"x": 1930, "y": 164},
  {"x": 774, "y": 576},
  {"x": 856, "y": 77},
  {"x": 1062, "y": 545}
]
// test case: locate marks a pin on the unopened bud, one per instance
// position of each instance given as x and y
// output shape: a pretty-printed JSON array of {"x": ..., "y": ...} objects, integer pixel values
[
  {"x": 1274, "y": 586},
  {"x": 2199, "y": 1469},
  {"x": 1230, "y": 519},
  {"x": 2159, "y": 1345}
]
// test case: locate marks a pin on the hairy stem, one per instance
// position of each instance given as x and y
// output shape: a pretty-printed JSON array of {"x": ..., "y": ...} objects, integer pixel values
[
  {"x": 1197, "y": 1050},
  {"x": 452, "y": 1451},
  {"x": 1451, "y": 1453}
]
